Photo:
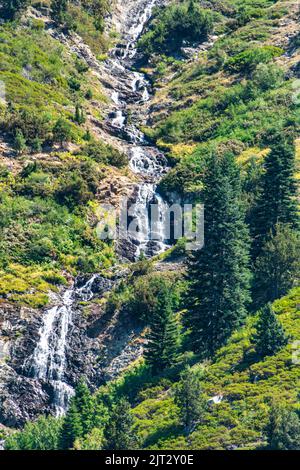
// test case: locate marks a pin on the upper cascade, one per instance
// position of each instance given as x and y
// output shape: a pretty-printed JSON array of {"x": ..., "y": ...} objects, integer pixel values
[{"x": 132, "y": 90}]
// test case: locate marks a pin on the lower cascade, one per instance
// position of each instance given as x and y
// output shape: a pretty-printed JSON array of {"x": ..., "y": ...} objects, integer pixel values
[{"x": 49, "y": 359}]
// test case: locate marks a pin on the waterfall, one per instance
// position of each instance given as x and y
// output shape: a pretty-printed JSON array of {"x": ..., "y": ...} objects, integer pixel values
[
  {"x": 49, "y": 360},
  {"x": 144, "y": 160}
]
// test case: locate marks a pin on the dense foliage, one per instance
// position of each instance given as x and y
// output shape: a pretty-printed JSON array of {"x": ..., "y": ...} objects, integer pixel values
[{"x": 174, "y": 25}]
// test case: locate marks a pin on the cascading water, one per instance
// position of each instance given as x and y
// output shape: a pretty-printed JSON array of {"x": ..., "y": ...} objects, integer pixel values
[
  {"x": 49, "y": 359},
  {"x": 149, "y": 237}
]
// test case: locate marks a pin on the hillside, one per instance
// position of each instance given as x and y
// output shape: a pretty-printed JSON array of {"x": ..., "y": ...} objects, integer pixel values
[{"x": 140, "y": 341}]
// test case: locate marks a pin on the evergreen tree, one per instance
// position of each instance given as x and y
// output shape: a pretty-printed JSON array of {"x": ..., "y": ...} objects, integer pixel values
[
  {"x": 277, "y": 202},
  {"x": 190, "y": 400},
  {"x": 277, "y": 269},
  {"x": 79, "y": 114},
  {"x": 12, "y": 9},
  {"x": 162, "y": 339},
  {"x": 20, "y": 142},
  {"x": 72, "y": 426},
  {"x": 269, "y": 337},
  {"x": 86, "y": 406},
  {"x": 218, "y": 273},
  {"x": 283, "y": 429},
  {"x": 62, "y": 131},
  {"x": 119, "y": 433},
  {"x": 58, "y": 10}
]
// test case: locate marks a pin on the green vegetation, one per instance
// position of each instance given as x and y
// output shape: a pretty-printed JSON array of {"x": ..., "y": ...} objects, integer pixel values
[
  {"x": 283, "y": 430},
  {"x": 11, "y": 9},
  {"x": 277, "y": 202},
  {"x": 160, "y": 415},
  {"x": 190, "y": 400},
  {"x": 269, "y": 337},
  {"x": 162, "y": 340},
  {"x": 176, "y": 24},
  {"x": 41, "y": 435}
]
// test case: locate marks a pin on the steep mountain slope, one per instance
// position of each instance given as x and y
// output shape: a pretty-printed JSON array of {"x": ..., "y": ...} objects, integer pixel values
[{"x": 135, "y": 107}]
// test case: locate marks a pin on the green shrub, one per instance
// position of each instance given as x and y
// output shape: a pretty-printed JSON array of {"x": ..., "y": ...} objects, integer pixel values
[{"x": 246, "y": 61}]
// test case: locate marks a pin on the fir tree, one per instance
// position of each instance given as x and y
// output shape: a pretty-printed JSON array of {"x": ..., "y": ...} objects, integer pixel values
[
  {"x": 119, "y": 433},
  {"x": 85, "y": 405},
  {"x": 58, "y": 10},
  {"x": 269, "y": 337},
  {"x": 162, "y": 339},
  {"x": 20, "y": 142},
  {"x": 277, "y": 202},
  {"x": 277, "y": 269},
  {"x": 79, "y": 114},
  {"x": 218, "y": 273},
  {"x": 283, "y": 429},
  {"x": 72, "y": 426},
  {"x": 190, "y": 399}
]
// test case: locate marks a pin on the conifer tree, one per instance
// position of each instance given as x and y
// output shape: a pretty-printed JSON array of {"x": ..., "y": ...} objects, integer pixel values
[
  {"x": 12, "y": 9},
  {"x": 162, "y": 339},
  {"x": 58, "y": 10},
  {"x": 283, "y": 429},
  {"x": 79, "y": 114},
  {"x": 62, "y": 131},
  {"x": 269, "y": 337},
  {"x": 277, "y": 269},
  {"x": 119, "y": 433},
  {"x": 72, "y": 426},
  {"x": 20, "y": 142},
  {"x": 218, "y": 273},
  {"x": 85, "y": 405},
  {"x": 190, "y": 399},
  {"x": 277, "y": 202}
]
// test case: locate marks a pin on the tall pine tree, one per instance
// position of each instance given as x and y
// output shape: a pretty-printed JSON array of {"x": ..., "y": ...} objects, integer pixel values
[
  {"x": 81, "y": 417},
  {"x": 162, "y": 339},
  {"x": 219, "y": 274},
  {"x": 119, "y": 433},
  {"x": 269, "y": 337},
  {"x": 277, "y": 202},
  {"x": 189, "y": 398},
  {"x": 85, "y": 404}
]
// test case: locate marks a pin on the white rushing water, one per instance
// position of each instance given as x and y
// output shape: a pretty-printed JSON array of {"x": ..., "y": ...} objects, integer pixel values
[
  {"x": 119, "y": 120},
  {"x": 49, "y": 362},
  {"x": 49, "y": 359},
  {"x": 149, "y": 210}
]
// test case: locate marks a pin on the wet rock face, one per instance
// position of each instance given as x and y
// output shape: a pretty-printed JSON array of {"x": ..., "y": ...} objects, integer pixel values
[
  {"x": 18, "y": 335},
  {"x": 98, "y": 346}
]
